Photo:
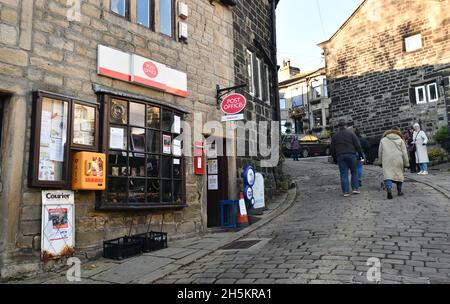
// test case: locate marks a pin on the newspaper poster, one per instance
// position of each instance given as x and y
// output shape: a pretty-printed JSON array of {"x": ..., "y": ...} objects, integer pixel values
[{"x": 58, "y": 224}]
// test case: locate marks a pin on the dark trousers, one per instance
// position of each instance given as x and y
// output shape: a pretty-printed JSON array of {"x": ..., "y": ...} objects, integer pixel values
[
  {"x": 412, "y": 162},
  {"x": 295, "y": 154}
]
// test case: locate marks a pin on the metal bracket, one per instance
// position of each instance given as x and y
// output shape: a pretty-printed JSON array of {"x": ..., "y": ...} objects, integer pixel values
[{"x": 221, "y": 92}]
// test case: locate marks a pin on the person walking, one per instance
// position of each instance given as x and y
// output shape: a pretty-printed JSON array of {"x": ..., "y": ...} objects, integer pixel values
[
  {"x": 394, "y": 159},
  {"x": 361, "y": 158},
  {"x": 420, "y": 141},
  {"x": 411, "y": 147},
  {"x": 295, "y": 147},
  {"x": 344, "y": 146}
]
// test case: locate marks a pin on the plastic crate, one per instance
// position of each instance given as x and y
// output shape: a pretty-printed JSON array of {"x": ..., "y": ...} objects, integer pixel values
[
  {"x": 121, "y": 248},
  {"x": 151, "y": 241}
]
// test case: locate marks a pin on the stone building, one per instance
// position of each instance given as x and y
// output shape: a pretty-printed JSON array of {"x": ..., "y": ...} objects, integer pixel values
[
  {"x": 304, "y": 103},
  {"x": 117, "y": 77},
  {"x": 389, "y": 64}
]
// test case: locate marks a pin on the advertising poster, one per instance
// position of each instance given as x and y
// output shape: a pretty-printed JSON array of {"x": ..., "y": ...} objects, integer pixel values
[
  {"x": 58, "y": 224},
  {"x": 213, "y": 182},
  {"x": 213, "y": 166},
  {"x": 167, "y": 144},
  {"x": 258, "y": 192}
]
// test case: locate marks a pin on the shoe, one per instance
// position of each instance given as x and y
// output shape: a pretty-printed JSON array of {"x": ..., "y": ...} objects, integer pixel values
[
  {"x": 346, "y": 194},
  {"x": 400, "y": 193},
  {"x": 420, "y": 173},
  {"x": 389, "y": 194},
  {"x": 356, "y": 192},
  {"x": 425, "y": 173}
]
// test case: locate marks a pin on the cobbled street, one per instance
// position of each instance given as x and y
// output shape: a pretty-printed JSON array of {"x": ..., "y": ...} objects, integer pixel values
[{"x": 326, "y": 238}]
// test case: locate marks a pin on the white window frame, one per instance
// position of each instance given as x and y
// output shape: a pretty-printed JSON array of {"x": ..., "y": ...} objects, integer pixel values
[
  {"x": 325, "y": 88},
  {"x": 429, "y": 92},
  {"x": 251, "y": 80},
  {"x": 412, "y": 44},
  {"x": 259, "y": 79},
  {"x": 268, "y": 83},
  {"x": 418, "y": 101}
]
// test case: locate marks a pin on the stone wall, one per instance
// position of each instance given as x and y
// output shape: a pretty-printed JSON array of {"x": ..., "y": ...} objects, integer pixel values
[
  {"x": 40, "y": 49},
  {"x": 371, "y": 74},
  {"x": 253, "y": 21}
]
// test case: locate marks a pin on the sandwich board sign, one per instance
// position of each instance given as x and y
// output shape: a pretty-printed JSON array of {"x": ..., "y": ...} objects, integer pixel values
[
  {"x": 58, "y": 224},
  {"x": 258, "y": 192}
]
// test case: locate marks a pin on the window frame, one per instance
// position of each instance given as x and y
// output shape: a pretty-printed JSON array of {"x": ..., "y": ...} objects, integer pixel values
[
  {"x": 127, "y": 10},
  {"x": 94, "y": 147},
  {"x": 267, "y": 71},
  {"x": 250, "y": 73},
  {"x": 151, "y": 13},
  {"x": 410, "y": 38},
  {"x": 173, "y": 18},
  {"x": 416, "y": 90},
  {"x": 260, "y": 94},
  {"x": 33, "y": 175},
  {"x": 102, "y": 203}
]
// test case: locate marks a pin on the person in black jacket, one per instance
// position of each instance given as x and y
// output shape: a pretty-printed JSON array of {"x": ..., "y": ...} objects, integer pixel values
[{"x": 344, "y": 148}]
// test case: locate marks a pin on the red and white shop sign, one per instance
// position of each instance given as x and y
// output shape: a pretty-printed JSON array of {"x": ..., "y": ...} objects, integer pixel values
[
  {"x": 141, "y": 70},
  {"x": 233, "y": 104}
]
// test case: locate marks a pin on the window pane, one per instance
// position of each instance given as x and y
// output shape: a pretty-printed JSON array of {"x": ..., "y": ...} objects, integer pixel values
[
  {"x": 53, "y": 138},
  {"x": 118, "y": 111},
  {"x": 153, "y": 191},
  {"x": 118, "y": 7},
  {"x": 117, "y": 190},
  {"x": 282, "y": 104},
  {"x": 137, "y": 114},
  {"x": 137, "y": 191},
  {"x": 84, "y": 125},
  {"x": 118, "y": 137},
  {"x": 165, "y": 15},
  {"x": 137, "y": 140},
  {"x": 420, "y": 95},
  {"x": 167, "y": 191},
  {"x": 143, "y": 12},
  {"x": 177, "y": 192},
  {"x": 152, "y": 166},
  {"x": 153, "y": 141},
  {"x": 166, "y": 167},
  {"x": 166, "y": 120},
  {"x": 255, "y": 75},
  {"x": 117, "y": 164},
  {"x": 153, "y": 117},
  {"x": 137, "y": 164},
  {"x": 432, "y": 92},
  {"x": 250, "y": 73},
  {"x": 177, "y": 168}
]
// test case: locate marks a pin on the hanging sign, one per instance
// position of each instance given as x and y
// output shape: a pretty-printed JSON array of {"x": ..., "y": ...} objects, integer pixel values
[
  {"x": 236, "y": 117},
  {"x": 258, "y": 192},
  {"x": 233, "y": 104},
  {"x": 58, "y": 224}
]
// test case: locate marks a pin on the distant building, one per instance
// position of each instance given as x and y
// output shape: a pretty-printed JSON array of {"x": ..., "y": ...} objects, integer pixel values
[
  {"x": 304, "y": 102},
  {"x": 389, "y": 64}
]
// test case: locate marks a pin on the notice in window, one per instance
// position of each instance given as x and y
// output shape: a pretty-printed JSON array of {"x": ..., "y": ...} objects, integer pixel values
[
  {"x": 176, "y": 147},
  {"x": 177, "y": 124},
  {"x": 56, "y": 150},
  {"x": 167, "y": 144},
  {"x": 116, "y": 138},
  {"x": 46, "y": 125},
  {"x": 213, "y": 166}
]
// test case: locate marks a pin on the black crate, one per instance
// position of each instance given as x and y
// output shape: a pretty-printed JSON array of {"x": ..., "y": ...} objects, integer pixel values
[
  {"x": 121, "y": 248},
  {"x": 152, "y": 241}
]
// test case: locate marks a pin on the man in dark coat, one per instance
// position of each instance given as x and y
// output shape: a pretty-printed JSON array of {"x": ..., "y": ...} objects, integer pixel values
[{"x": 345, "y": 147}]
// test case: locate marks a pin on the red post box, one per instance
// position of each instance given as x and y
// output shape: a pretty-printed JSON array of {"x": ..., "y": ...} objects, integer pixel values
[{"x": 199, "y": 158}]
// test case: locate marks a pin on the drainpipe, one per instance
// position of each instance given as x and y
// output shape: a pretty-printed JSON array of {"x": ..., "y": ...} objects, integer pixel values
[{"x": 277, "y": 110}]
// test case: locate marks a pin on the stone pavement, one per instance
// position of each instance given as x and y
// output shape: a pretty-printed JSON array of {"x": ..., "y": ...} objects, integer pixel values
[
  {"x": 326, "y": 238},
  {"x": 149, "y": 267}
]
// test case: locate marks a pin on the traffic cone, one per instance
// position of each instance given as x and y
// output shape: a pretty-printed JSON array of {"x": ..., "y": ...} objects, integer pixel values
[{"x": 242, "y": 212}]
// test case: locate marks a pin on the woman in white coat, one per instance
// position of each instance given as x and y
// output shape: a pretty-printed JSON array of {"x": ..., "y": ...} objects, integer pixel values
[{"x": 420, "y": 139}]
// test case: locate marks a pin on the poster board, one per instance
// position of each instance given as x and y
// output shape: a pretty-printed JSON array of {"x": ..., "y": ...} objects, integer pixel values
[
  {"x": 258, "y": 192},
  {"x": 58, "y": 224}
]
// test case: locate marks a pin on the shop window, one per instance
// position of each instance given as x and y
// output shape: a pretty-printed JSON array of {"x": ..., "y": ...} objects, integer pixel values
[
  {"x": 61, "y": 125},
  {"x": 145, "y": 165},
  {"x": 120, "y": 7}
]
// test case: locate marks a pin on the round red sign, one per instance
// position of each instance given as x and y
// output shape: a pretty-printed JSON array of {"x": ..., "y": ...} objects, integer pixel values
[
  {"x": 233, "y": 104},
  {"x": 150, "y": 69}
]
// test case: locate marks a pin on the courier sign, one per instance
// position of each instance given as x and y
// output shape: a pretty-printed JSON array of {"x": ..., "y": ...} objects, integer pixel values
[{"x": 233, "y": 104}]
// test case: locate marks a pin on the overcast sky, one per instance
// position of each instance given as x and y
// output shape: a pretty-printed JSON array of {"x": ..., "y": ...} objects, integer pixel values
[{"x": 302, "y": 24}]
